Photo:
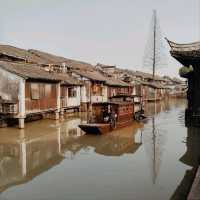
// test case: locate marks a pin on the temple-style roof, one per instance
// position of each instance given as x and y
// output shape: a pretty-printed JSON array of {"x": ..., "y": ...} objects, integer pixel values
[{"x": 186, "y": 54}]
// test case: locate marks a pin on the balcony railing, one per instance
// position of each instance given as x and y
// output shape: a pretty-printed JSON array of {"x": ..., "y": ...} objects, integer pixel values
[{"x": 98, "y": 99}]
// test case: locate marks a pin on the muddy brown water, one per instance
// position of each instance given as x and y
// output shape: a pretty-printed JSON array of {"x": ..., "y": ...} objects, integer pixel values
[{"x": 51, "y": 160}]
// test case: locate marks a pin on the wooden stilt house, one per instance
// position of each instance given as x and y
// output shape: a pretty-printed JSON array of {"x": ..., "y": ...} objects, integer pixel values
[{"x": 27, "y": 90}]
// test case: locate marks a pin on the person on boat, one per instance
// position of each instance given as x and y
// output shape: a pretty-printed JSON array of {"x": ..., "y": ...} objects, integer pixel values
[
  {"x": 113, "y": 119},
  {"x": 106, "y": 116}
]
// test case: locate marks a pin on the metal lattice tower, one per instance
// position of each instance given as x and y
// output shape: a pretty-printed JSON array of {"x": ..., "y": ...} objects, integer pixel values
[{"x": 154, "y": 56}]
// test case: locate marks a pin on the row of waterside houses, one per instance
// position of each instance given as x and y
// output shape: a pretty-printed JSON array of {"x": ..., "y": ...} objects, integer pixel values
[{"x": 35, "y": 83}]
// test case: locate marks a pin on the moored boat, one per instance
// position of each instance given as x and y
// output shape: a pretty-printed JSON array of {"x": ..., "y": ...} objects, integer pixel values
[{"x": 109, "y": 116}]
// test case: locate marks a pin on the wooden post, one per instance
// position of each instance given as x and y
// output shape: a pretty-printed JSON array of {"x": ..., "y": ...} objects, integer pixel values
[
  {"x": 57, "y": 117},
  {"x": 21, "y": 123},
  {"x": 62, "y": 114}
]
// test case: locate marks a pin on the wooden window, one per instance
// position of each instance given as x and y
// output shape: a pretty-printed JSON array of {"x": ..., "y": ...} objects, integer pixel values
[
  {"x": 47, "y": 90},
  {"x": 97, "y": 89},
  {"x": 72, "y": 92},
  {"x": 27, "y": 91},
  {"x": 35, "y": 91}
]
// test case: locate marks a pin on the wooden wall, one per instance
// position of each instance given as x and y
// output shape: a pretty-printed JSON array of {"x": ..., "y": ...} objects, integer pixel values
[
  {"x": 113, "y": 91},
  {"x": 40, "y": 96}
]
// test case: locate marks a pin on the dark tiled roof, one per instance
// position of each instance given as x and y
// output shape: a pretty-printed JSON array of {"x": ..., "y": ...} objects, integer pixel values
[
  {"x": 154, "y": 85},
  {"x": 95, "y": 75},
  {"x": 19, "y": 53},
  {"x": 111, "y": 81},
  {"x": 67, "y": 79},
  {"x": 148, "y": 75},
  {"x": 91, "y": 74},
  {"x": 141, "y": 74},
  {"x": 40, "y": 57},
  {"x": 186, "y": 54},
  {"x": 105, "y": 66},
  {"x": 195, "y": 46},
  {"x": 33, "y": 71},
  {"x": 58, "y": 60}
]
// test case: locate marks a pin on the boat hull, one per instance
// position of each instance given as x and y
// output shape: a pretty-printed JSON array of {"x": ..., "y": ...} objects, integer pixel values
[
  {"x": 95, "y": 128},
  {"x": 103, "y": 128}
]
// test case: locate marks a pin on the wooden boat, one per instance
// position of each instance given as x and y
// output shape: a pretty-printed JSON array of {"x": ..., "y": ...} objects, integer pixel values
[
  {"x": 95, "y": 128},
  {"x": 120, "y": 114}
]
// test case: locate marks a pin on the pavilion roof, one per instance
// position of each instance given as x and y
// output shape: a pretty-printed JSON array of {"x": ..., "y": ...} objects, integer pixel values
[{"x": 186, "y": 54}]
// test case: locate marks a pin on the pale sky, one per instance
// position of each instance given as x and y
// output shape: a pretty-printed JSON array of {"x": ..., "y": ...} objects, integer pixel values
[{"x": 111, "y": 32}]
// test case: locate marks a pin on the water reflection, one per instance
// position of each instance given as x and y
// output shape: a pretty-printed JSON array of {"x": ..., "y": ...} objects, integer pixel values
[
  {"x": 27, "y": 153},
  {"x": 44, "y": 144},
  {"x": 154, "y": 133},
  {"x": 191, "y": 158},
  {"x": 192, "y": 155},
  {"x": 22, "y": 158},
  {"x": 115, "y": 143},
  {"x": 155, "y": 137}
]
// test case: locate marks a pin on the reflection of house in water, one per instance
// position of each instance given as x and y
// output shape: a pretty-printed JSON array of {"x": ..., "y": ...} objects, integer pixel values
[
  {"x": 69, "y": 135},
  {"x": 24, "y": 156},
  {"x": 116, "y": 143},
  {"x": 192, "y": 159},
  {"x": 160, "y": 106},
  {"x": 154, "y": 141},
  {"x": 27, "y": 153},
  {"x": 70, "y": 128},
  {"x": 154, "y": 108}
]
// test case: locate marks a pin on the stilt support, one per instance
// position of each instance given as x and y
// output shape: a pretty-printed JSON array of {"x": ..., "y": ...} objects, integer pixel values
[
  {"x": 21, "y": 123},
  {"x": 62, "y": 114},
  {"x": 57, "y": 115}
]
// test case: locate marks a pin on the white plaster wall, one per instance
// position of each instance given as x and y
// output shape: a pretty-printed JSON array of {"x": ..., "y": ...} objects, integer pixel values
[
  {"x": 134, "y": 91},
  {"x": 98, "y": 99},
  {"x": 75, "y": 101},
  {"x": 9, "y": 85},
  {"x": 105, "y": 93},
  {"x": 22, "y": 111},
  {"x": 12, "y": 87},
  {"x": 84, "y": 98},
  {"x": 58, "y": 96}
]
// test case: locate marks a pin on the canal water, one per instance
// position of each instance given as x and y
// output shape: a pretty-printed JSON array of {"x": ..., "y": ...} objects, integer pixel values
[{"x": 51, "y": 160}]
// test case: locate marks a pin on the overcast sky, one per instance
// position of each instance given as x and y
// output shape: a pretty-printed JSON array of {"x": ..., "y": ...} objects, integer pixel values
[{"x": 112, "y": 32}]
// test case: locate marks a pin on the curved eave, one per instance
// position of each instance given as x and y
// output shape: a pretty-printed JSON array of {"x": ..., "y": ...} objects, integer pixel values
[
  {"x": 195, "y": 46},
  {"x": 186, "y": 58},
  {"x": 186, "y": 54}
]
